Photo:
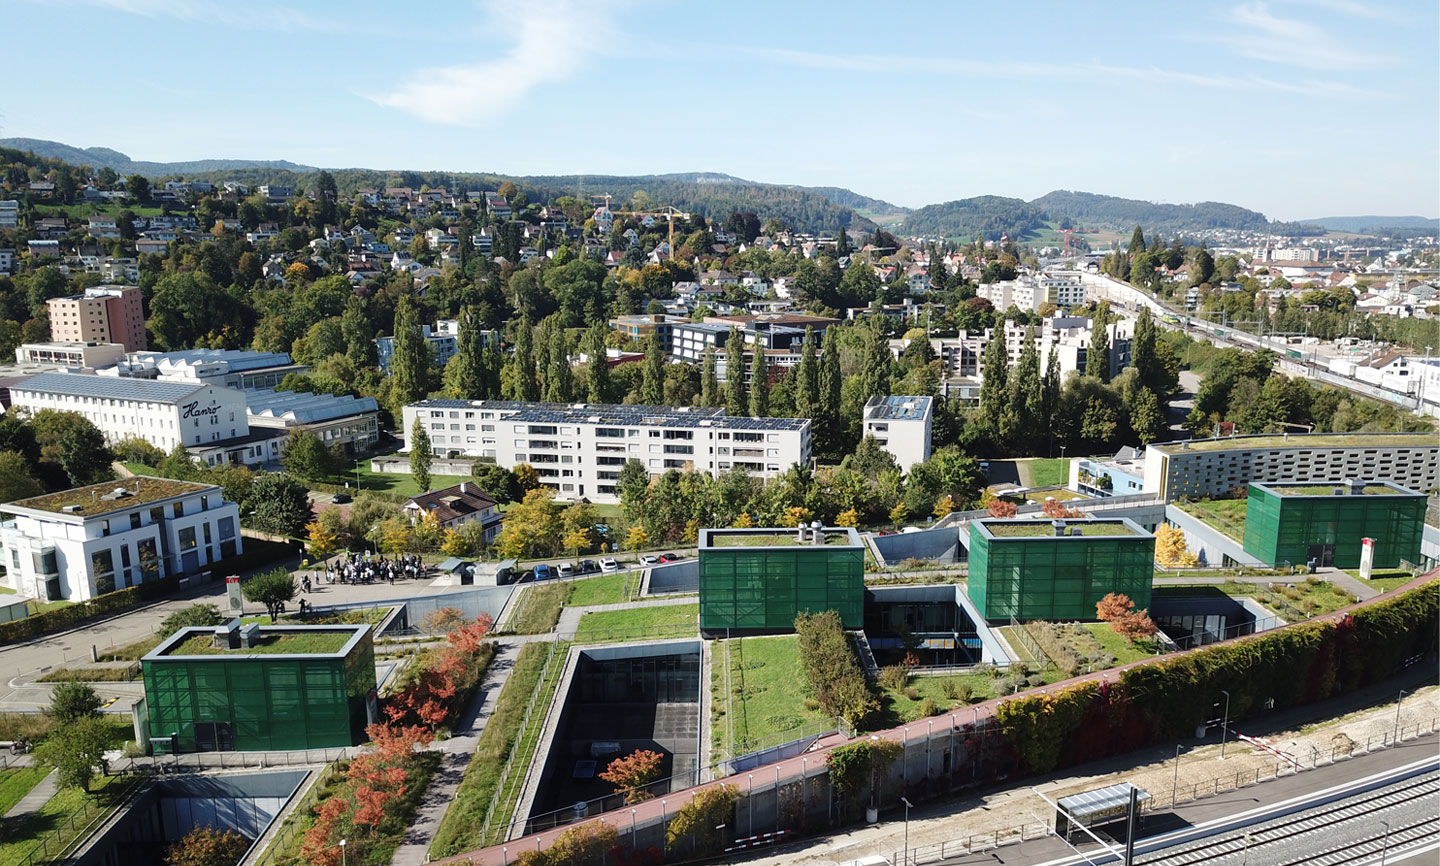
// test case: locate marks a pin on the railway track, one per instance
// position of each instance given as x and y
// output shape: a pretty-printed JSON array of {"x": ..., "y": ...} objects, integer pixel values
[{"x": 1271, "y": 839}]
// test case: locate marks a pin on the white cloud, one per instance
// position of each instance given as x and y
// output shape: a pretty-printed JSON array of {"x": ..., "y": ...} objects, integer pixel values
[
  {"x": 552, "y": 42},
  {"x": 1259, "y": 34}
]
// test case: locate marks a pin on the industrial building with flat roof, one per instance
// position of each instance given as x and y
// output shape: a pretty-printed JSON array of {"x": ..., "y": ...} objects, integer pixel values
[
  {"x": 579, "y": 449},
  {"x": 1043, "y": 569},
  {"x": 1326, "y": 523},
  {"x": 759, "y": 579}
]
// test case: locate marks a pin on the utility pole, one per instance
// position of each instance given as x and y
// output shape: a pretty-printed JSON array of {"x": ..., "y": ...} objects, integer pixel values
[{"x": 1225, "y": 725}]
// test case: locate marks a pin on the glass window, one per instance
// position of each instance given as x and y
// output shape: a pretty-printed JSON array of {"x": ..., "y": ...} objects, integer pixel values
[
  {"x": 187, "y": 538},
  {"x": 178, "y": 509}
]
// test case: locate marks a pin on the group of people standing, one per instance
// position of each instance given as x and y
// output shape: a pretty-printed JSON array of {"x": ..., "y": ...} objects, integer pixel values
[{"x": 357, "y": 568}]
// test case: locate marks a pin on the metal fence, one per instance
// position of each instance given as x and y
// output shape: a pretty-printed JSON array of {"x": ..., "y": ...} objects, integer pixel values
[
  {"x": 287, "y": 838},
  {"x": 195, "y": 762},
  {"x": 1288, "y": 765},
  {"x": 64, "y": 836}
]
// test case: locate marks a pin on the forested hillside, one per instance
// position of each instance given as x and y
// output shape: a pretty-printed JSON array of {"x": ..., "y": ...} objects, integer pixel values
[
  {"x": 989, "y": 216},
  {"x": 104, "y": 157}
]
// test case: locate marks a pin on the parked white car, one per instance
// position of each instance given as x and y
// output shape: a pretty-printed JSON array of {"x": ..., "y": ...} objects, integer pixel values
[{"x": 609, "y": 565}]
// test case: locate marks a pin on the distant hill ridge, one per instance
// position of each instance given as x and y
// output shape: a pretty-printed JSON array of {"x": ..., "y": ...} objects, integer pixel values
[
  {"x": 1362, "y": 223},
  {"x": 715, "y": 194},
  {"x": 105, "y": 157}
]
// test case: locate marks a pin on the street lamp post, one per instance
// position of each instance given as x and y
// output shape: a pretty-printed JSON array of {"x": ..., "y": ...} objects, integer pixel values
[
  {"x": 750, "y": 806},
  {"x": 906, "y": 858},
  {"x": 1385, "y": 845},
  {"x": 1395, "y": 735},
  {"x": 1225, "y": 725},
  {"x": 1175, "y": 783},
  {"x": 342, "y": 852},
  {"x": 632, "y": 829}
]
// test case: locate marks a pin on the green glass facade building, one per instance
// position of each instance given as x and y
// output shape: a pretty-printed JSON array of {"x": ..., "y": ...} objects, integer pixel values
[
  {"x": 759, "y": 579},
  {"x": 1026, "y": 569},
  {"x": 249, "y": 699},
  {"x": 1325, "y": 523}
]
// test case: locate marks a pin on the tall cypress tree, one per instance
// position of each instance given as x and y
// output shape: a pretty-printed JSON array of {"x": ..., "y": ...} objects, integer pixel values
[
  {"x": 494, "y": 363},
  {"x": 1050, "y": 393},
  {"x": 559, "y": 379},
  {"x": 652, "y": 383},
  {"x": 1142, "y": 350},
  {"x": 709, "y": 386},
  {"x": 527, "y": 381},
  {"x": 359, "y": 334},
  {"x": 939, "y": 277},
  {"x": 410, "y": 358},
  {"x": 825, "y": 427},
  {"x": 877, "y": 360},
  {"x": 842, "y": 243},
  {"x": 759, "y": 381},
  {"x": 807, "y": 378},
  {"x": 597, "y": 371},
  {"x": 735, "y": 402},
  {"x": 465, "y": 372},
  {"x": 1097, "y": 359},
  {"x": 1137, "y": 243},
  {"x": 995, "y": 372},
  {"x": 1025, "y": 385}
]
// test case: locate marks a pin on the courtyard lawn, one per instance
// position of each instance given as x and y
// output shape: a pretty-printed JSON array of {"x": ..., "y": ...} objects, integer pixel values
[
  {"x": 1123, "y": 650},
  {"x": 540, "y": 607},
  {"x": 639, "y": 623},
  {"x": 766, "y": 703},
  {"x": 1049, "y": 473},
  {"x": 897, "y": 707},
  {"x": 609, "y": 589}
]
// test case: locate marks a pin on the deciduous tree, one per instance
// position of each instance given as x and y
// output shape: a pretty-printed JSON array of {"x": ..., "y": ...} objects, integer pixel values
[
  {"x": 272, "y": 589},
  {"x": 421, "y": 455},
  {"x": 632, "y": 773}
]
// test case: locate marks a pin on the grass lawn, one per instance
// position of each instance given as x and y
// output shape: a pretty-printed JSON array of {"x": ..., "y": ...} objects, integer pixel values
[
  {"x": 5, "y": 590},
  {"x": 324, "y": 642},
  {"x": 1012, "y": 633},
  {"x": 97, "y": 674},
  {"x": 897, "y": 707},
  {"x": 1046, "y": 529},
  {"x": 402, "y": 483},
  {"x": 1049, "y": 473},
  {"x": 70, "y": 804},
  {"x": 132, "y": 651},
  {"x": 767, "y": 694},
  {"x": 1321, "y": 440},
  {"x": 1226, "y": 515},
  {"x": 43, "y": 606},
  {"x": 1123, "y": 650},
  {"x": 540, "y": 608},
  {"x": 609, "y": 589},
  {"x": 639, "y": 623},
  {"x": 16, "y": 783},
  {"x": 1383, "y": 580},
  {"x": 464, "y": 821}
]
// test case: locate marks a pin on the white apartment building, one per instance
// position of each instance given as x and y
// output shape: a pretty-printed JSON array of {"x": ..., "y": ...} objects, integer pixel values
[
  {"x": 1069, "y": 336},
  {"x": 9, "y": 214},
  {"x": 443, "y": 342},
  {"x": 902, "y": 426},
  {"x": 7, "y": 261},
  {"x": 578, "y": 450},
  {"x": 165, "y": 414},
  {"x": 76, "y": 544},
  {"x": 1033, "y": 292}
]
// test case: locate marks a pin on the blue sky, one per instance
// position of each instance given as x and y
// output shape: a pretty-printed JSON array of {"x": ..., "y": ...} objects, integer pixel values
[{"x": 1297, "y": 108}]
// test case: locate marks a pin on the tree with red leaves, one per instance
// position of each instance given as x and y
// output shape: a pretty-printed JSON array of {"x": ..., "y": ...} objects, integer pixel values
[
  {"x": 1056, "y": 509},
  {"x": 1113, "y": 606},
  {"x": 1000, "y": 508},
  {"x": 633, "y": 772},
  {"x": 1135, "y": 627}
]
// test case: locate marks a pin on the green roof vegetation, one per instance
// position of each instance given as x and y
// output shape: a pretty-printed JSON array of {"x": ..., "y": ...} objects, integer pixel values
[
  {"x": 1044, "y": 529},
  {"x": 779, "y": 538},
  {"x": 1226, "y": 515},
  {"x": 140, "y": 490},
  {"x": 1316, "y": 440},
  {"x": 1329, "y": 490},
  {"x": 283, "y": 643}
]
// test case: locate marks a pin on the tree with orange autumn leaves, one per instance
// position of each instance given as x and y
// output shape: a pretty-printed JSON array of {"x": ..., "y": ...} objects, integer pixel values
[{"x": 377, "y": 780}]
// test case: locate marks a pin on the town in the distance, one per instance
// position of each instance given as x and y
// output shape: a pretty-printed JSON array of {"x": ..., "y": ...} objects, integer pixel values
[{"x": 402, "y": 517}]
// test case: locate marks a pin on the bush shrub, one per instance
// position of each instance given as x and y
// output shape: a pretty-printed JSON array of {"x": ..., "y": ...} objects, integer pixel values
[
  {"x": 894, "y": 677},
  {"x": 912, "y": 693},
  {"x": 832, "y": 671},
  {"x": 928, "y": 708}
]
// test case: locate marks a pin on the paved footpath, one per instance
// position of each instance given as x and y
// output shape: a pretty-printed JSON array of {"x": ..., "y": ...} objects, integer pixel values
[
  {"x": 456, "y": 752},
  {"x": 37, "y": 798}
]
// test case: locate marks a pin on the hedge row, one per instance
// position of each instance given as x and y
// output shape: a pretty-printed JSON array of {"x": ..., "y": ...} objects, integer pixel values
[
  {"x": 1167, "y": 699},
  {"x": 382, "y": 495},
  {"x": 832, "y": 672},
  {"x": 119, "y": 600}
]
